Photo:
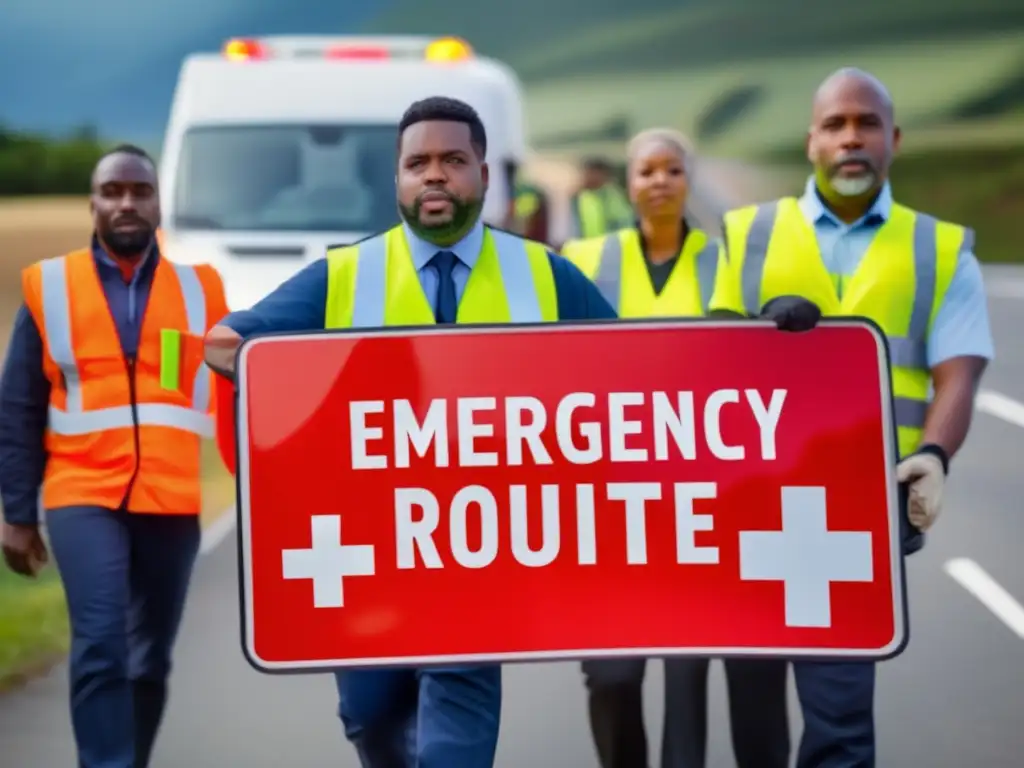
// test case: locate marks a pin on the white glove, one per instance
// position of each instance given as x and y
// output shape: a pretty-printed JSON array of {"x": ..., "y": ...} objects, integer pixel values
[{"x": 924, "y": 473}]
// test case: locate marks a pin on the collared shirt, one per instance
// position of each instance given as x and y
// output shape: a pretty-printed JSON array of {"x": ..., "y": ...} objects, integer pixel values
[
  {"x": 961, "y": 326},
  {"x": 25, "y": 390},
  {"x": 466, "y": 251},
  {"x": 127, "y": 290},
  {"x": 299, "y": 303}
]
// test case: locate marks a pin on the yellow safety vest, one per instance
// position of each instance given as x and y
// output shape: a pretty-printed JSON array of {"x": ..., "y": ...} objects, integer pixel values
[
  {"x": 602, "y": 210},
  {"x": 615, "y": 263},
  {"x": 527, "y": 203},
  {"x": 373, "y": 283},
  {"x": 771, "y": 250}
]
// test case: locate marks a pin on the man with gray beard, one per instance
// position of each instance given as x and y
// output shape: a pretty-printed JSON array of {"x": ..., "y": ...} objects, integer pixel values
[{"x": 849, "y": 248}]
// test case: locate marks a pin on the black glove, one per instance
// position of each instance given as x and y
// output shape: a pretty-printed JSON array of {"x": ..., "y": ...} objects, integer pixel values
[{"x": 791, "y": 313}]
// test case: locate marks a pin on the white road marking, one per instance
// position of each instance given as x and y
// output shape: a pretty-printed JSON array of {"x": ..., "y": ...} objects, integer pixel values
[
  {"x": 215, "y": 533},
  {"x": 1000, "y": 406},
  {"x": 972, "y": 577}
]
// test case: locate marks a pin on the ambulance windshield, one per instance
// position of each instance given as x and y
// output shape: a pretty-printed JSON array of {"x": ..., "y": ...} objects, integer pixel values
[{"x": 301, "y": 178}]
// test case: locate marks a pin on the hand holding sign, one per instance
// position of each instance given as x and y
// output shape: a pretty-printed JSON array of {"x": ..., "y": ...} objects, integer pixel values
[{"x": 792, "y": 313}]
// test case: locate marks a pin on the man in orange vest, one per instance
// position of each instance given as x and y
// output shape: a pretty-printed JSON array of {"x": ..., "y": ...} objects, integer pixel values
[{"x": 105, "y": 399}]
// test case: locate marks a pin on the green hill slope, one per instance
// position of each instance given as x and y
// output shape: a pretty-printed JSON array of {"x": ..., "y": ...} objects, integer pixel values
[
  {"x": 753, "y": 108},
  {"x": 739, "y": 73},
  {"x": 544, "y": 39}
]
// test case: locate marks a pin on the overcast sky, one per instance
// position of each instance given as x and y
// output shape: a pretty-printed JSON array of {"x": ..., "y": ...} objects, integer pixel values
[{"x": 113, "y": 63}]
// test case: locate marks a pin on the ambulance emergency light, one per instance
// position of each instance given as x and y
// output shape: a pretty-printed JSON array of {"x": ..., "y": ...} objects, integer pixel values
[
  {"x": 448, "y": 49},
  {"x": 441, "y": 50},
  {"x": 241, "y": 50}
]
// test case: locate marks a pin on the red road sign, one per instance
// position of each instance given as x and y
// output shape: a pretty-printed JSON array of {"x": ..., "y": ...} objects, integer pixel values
[
  {"x": 560, "y": 491},
  {"x": 226, "y": 429}
]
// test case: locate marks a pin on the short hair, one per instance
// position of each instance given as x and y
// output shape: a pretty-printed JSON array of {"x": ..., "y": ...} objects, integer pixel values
[
  {"x": 442, "y": 108},
  {"x": 125, "y": 149},
  {"x": 667, "y": 136},
  {"x": 129, "y": 149}
]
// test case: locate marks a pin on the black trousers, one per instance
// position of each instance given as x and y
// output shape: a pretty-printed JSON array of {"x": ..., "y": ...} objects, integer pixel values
[
  {"x": 757, "y": 709},
  {"x": 126, "y": 579}
]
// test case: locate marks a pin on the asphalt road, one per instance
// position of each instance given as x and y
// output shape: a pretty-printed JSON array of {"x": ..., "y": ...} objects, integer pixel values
[{"x": 954, "y": 698}]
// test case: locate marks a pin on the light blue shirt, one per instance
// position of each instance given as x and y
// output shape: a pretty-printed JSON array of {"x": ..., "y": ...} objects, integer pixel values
[
  {"x": 466, "y": 251},
  {"x": 961, "y": 326}
]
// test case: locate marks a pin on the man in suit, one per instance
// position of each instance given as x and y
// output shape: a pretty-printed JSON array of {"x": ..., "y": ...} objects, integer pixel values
[{"x": 441, "y": 264}]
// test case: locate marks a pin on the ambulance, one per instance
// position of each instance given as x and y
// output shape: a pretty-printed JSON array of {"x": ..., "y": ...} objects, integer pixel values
[{"x": 280, "y": 146}]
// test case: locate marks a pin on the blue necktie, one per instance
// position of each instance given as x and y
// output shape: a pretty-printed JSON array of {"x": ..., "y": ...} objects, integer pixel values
[{"x": 447, "y": 305}]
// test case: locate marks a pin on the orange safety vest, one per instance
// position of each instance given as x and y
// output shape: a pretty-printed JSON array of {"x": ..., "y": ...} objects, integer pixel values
[{"x": 124, "y": 432}]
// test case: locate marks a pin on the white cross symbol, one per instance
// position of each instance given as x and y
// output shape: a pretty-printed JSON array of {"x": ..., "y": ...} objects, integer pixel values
[
  {"x": 806, "y": 557},
  {"x": 328, "y": 561}
]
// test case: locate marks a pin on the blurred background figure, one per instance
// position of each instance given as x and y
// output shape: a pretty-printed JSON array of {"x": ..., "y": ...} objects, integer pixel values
[
  {"x": 531, "y": 212},
  {"x": 601, "y": 204}
]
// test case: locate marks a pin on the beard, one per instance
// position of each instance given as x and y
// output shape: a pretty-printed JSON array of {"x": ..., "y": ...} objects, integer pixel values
[
  {"x": 127, "y": 244},
  {"x": 853, "y": 186},
  {"x": 464, "y": 216}
]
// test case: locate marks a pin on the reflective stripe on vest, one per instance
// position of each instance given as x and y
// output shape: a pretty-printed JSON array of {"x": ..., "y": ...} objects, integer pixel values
[
  {"x": 370, "y": 299},
  {"x": 608, "y": 277},
  {"x": 909, "y": 351},
  {"x": 76, "y": 421}
]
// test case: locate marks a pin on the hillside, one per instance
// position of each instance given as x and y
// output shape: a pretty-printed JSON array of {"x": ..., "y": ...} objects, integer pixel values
[
  {"x": 736, "y": 73},
  {"x": 542, "y": 39},
  {"x": 739, "y": 73}
]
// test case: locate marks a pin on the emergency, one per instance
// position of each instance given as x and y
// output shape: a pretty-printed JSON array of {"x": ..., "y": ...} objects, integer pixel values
[{"x": 583, "y": 429}]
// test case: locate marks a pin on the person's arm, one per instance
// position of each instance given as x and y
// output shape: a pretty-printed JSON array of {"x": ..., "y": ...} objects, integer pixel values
[
  {"x": 960, "y": 347},
  {"x": 298, "y": 304},
  {"x": 578, "y": 297},
  {"x": 24, "y": 402}
]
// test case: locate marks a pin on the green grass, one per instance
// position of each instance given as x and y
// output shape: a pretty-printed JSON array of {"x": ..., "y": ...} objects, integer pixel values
[
  {"x": 33, "y": 617},
  {"x": 33, "y": 624}
]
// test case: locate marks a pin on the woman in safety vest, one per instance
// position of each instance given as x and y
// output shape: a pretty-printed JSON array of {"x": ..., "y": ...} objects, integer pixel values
[{"x": 665, "y": 267}]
